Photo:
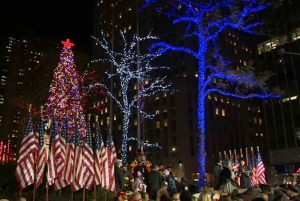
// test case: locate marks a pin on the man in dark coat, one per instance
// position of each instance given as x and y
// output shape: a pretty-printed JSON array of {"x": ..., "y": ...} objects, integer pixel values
[
  {"x": 119, "y": 177},
  {"x": 293, "y": 193},
  {"x": 267, "y": 189},
  {"x": 217, "y": 174},
  {"x": 244, "y": 173},
  {"x": 154, "y": 182}
]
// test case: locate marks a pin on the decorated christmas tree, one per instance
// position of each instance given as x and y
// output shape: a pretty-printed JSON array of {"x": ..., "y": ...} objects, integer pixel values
[{"x": 65, "y": 95}]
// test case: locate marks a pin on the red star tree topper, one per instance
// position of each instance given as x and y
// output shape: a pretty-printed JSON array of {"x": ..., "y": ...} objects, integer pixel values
[{"x": 65, "y": 96}]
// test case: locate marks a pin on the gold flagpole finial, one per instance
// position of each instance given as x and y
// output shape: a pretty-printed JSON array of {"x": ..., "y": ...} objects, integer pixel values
[
  {"x": 29, "y": 108},
  {"x": 42, "y": 109}
]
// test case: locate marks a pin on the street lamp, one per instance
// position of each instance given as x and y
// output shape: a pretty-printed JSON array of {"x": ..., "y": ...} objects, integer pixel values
[{"x": 282, "y": 51}]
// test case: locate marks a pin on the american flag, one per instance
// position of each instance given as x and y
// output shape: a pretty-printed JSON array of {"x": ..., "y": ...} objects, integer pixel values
[
  {"x": 254, "y": 164},
  {"x": 54, "y": 153},
  {"x": 77, "y": 182},
  {"x": 109, "y": 165},
  {"x": 60, "y": 182},
  {"x": 260, "y": 171},
  {"x": 40, "y": 166},
  {"x": 25, "y": 166},
  {"x": 88, "y": 161},
  {"x": 142, "y": 99},
  {"x": 100, "y": 155}
]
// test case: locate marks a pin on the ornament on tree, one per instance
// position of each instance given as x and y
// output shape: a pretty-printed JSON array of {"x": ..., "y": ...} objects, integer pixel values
[{"x": 141, "y": 164}]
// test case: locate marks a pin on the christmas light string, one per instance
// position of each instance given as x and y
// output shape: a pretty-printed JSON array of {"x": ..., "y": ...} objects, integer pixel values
[
  {"x": 238, "y": 16},
  {"x": 124, "y": 63},
  {"x": 145, "y": 143}
]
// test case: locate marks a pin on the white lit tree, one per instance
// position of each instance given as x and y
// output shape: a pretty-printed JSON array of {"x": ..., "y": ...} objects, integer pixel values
[
  {"x": 125, "y": 67},
  {"x": 204, "y": 22}
]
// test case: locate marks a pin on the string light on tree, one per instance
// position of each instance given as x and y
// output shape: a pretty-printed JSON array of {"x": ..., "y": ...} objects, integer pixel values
[
  {"x": 146, "y": 143},
  {"x": 125, "y": 70},
  {"x": 242, "y": 84}
]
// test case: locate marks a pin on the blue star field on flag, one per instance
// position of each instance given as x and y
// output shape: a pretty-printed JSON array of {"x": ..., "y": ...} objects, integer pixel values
[
  {"x": 98, "y": 137},
  {"x": 64, "y": 131},
  {"x": 89, "y": 135},
  {"x": 29, "y": 128},
  {"x": 54, "y": 130},
  {"x": 76, "y": 136},
  {"x": 41, "y": 131},
  {"x": 109, "y": 140}
]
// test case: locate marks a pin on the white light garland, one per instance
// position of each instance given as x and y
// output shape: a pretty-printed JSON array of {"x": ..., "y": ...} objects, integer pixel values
[
  {"x": 124, "y": 63},
  {"x": 146, "y": 143}
]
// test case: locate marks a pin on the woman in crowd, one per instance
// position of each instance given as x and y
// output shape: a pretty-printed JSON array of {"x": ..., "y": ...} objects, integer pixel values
[{"x": 227, "y": 182}]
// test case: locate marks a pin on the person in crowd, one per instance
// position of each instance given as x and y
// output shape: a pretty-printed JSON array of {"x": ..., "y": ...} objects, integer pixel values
[
  {"x": 204, "y": 196},
  {"x": 250, "y": 194},
  {"x": 281, "y": 197},
  {"x": 136, "y": 196},
  {"x": 176, "y": 197},
  {"x": 139, "y": 185},
  {"x": 244, "y": 173},
  {"x": 293, "y": 192},
  {"x": 186, "y": 195},
  {"x": 217, "y": 174},
  {"x": 267, "y": 189},
  {"x": 225, "y": 198},
  {"x": 227, "y": 183},
  {"x": 119, "y": 177},
  {"x": 145, "y": 197},
  {"x": 165, "y": 198},
  {"x": 128, "y": 178},
  {"x": 169, "y": 178},
  {"x": 154, "y": 181},
  {"x": 161, "y": 192},
  {"x": 264, "y": 196}
]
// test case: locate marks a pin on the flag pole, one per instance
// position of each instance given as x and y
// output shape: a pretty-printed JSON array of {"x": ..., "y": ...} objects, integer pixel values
[
  {"x": 95, "y": 187},
  {"x": 83, "y": 194},
  {"x": 95, "y": 192},
  {"x": 34, "y": 167}
]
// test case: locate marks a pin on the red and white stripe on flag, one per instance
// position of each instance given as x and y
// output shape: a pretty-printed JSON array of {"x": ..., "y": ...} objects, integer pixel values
[
  {"x": 51, "y": 169},
  {"x": 77, "y": 183},
  {"x": 60, "y": 181},
  {"x": 260, "y": 173},
  {"x": 40, "y": 166},
  {"x": 25, "y": 166},
  {"x": 69, "y": 172},
  {"x": 88, "y": 170}
]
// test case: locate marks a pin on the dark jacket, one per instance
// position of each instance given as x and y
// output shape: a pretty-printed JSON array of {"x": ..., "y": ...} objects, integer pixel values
[
  {"x": 270, "y": 197},
  {"x": 217, "y": 176},
  {"x": 245, "y": 173},
  {"x": 119, "y": 178},
  {"x": 171, "y": 185},
  {"x": 153, "y": 182}
]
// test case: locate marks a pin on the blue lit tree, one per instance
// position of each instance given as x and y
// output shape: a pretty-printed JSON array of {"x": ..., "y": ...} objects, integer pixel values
[
  {"x": 126, "y": 72},
  {"x": 205, "y": 21}
]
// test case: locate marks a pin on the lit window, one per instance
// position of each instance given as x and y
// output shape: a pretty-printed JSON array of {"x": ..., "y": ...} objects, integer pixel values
[
  {"x": 129, "y": 9},
  {"x": 196, "y": 74},
  {"x": 235, "y": 51},
  {"x": 184, "y": 74},
  {"x": 119, "y": 127},
  {"x": 256, "y": 134},
  {"x": 258, "y": 109},
  {"x": 165, "y": 94},
  {"x": 120, "y": 15},
  {"x": 115, "y": 117},
  {"x": 101, "y": 122},
  {"x": 129, "y": 148},
  {"x": 245, "y": 63},
  {"x": 227, "y": 101},
  {"x": 249, "y": 108},
  {"x": 234, "y": 43},
  {"x": 217, "y": 111},
  {"x": 166, "y": 122},
  {"x": 129, "y": 27},
  {"x": 260, "y": 121},
  {"x": 215, "y": 80},
  {"x": 157, "y": 98},
  {"x": 222, "y": 100},
  {"x": 105, "y": 110},
  {"x": 209, "y": 96},
  {"x": 157, "y": 112},
  {"x": 101, "y": 111},
  {"x": 255, "y": 120},
  {"x": 216, "y": 98},
  {"x": 134, "y": 86},
  {"x": 223, "y": 113},
  {"x": 261, "y": 134},
  {"x": 157, "y": 124},
  {"x": 120, "y": 93},
  {"x": 135, "y": 122}
]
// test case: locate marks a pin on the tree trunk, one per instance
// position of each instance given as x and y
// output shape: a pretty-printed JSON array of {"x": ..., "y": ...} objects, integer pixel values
[{"x": 126, "y": 115}]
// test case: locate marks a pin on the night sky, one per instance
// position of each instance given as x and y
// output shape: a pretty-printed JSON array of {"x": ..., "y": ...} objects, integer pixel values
[{"x": 49, "y": 19}]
